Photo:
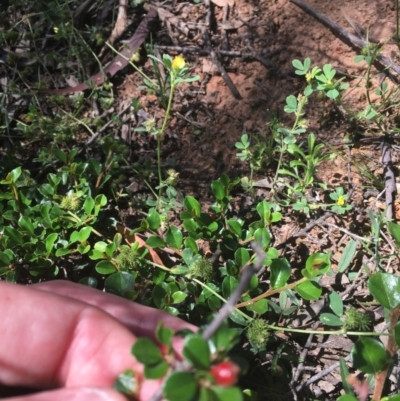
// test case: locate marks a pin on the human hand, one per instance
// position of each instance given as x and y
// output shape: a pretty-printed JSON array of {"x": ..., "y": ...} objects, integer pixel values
[{"x": 77, "y": 340}]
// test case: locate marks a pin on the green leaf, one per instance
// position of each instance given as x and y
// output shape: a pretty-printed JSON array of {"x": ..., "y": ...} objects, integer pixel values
[
  {"x": 330, "y": 319},
  {"x": 84, "y": 233},
  {"x": 394, "y": 230},
  {"x": 126, "y": 383},
  {"x": 262, "y": 237},
  {"x": 174, "y": 237},
  {"x": 227, "y": 393},
  {"x": 14, "y": 175},
  {"x": 50, "y": 240},
  {"x": 260, "y": 307},
  {"x": 397, "y": 334},
  {"x": 316, "y": 265},
  {"x": 88, "y": 205},
  {"x": 235, "y": 227},
  {"x": 120, "y": 283},
  {"x": 347, "y": 255},
  {"x": 155, "y": 242},
  {"x": 228, "y": 286},
  {"x": 348, "y": 397},
  {"x": 14, "y": 235},
  {"x": 4, "y": 259},
  {"x": 190, "y": 225},
  {"x": 180, "y": 386},
  {"x": 164, "y": 334},
  {"x": 309, "y": 290},
  {"x": 178, "y": 297},
  {"x": 192, "y": 205},
  {"x": 369, "y": 355},
  {"x": 336, "y": 303},
  {"x": 385, "y": 288},
  {"x": 242, "y": 256},
  {"x": 179, "y": 270},
  {"x": 146, "y": 352},
  {"x": 25, "y": 223},
  {"x": 156, "y": 371},
  {"x": 197, "y": 352},
  {"x": 344, "y": 374},
  {"x": 154, "y": 219},
  {"x": 105, "y": 267},
  {"x": 280, "y": 272},
  {"x": 218, "y": 190}
]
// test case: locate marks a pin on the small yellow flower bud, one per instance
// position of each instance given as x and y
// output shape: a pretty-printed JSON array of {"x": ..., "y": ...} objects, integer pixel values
[
  {"x": 308, "y": 77},
  {"x": 178, "y": 63},
  {"x": 341, "y": 200}
]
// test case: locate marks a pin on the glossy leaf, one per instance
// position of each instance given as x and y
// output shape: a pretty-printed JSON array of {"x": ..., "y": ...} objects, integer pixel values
[
  {"x": 180, "y": 386},
  {"x": 155, "y": 242},
  {"x": 262, "y": 237},
  {"x": 369, "y": 355},
  {"x": 394, "y": 230},
  {"x": 344, "y": 374},
  {"x": 174, "y": 237},
  {"x": 84, "y": 233},
  {"x": 228, "y": 286},
  {"x": 260, "y": 307},
  {"x": 309, "y": 290},
  {"x": 164, "y": 334},
  {"x": 336, "y": 303},
  {"x": 126, "y": 383},
  {"x": 347, "y": 255},
  {"x": 156, "y": 371},
  {"x": 347, "y": 397},
  {"x": 197, "y": 352},
  {"x": 25, "y": 223},
  {"x": 153, "y": 219},
  {"x": 192, "y": 205},
  {"x": 227, "y": 393},
  {"x": 146, "y": 352},
  {"x": 120, "y": 283},
  {"x": 50, "y": 240},
  {"x": 397, "y": 334},
  {"x": 385, "y": 288},
  {"x": 178, "y": 297},
  {"x": 105, "y": 267},
  {"x": 330, "y": 319},
  {"x": 242, "y": 256},
  {"x": 316, "y": 265},
  {"x": 235, "y": 227},
  {"x": 218, "y": 190},
  {"x": 280, "y": 272}
]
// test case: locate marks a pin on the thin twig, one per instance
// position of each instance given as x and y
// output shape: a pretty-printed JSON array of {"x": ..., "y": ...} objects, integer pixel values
[
  {"x": 104, "y": 127},
  {"x": 244, "y": 281},
  {"x": 321, "y": 374},
  {"x": 346, "y": 36}
]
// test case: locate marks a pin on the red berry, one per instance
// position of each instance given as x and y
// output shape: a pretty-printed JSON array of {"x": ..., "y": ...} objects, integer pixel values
[
  {"x": 225, "y": 373},
  {"x": 164, "y": 349},
  {"x": 212, "y": 215}
]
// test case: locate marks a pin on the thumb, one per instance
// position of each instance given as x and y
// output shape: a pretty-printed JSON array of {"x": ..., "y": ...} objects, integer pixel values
[{"x": 73, "y": 394}]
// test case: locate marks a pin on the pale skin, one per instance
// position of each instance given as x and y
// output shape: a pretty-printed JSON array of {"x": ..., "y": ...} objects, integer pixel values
[{"x": 72, "y": 341}]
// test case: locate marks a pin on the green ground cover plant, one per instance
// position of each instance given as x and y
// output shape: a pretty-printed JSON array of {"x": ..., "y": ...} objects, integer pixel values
[{"x": 55, "y": 223}]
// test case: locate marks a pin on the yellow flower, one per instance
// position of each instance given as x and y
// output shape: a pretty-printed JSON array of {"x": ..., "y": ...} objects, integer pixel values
[
  {"x": 178, "y": 63},
  {"x": 55, "y": 29},
  {"x": 308, "y": 77},
  {"x": 341, "y": 200}
]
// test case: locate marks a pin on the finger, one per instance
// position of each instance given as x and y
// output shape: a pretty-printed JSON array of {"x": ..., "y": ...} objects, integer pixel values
[
  {"x": 48, "y": 342},
  {"x": 141, "y": 320},
  {"x": 74, "y": 394}
]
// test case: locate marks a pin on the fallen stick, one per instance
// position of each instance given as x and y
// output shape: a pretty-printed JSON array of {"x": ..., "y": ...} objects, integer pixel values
[
  {"x": 344, "y": 35},
  {"x": 119, "y": 62}
]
